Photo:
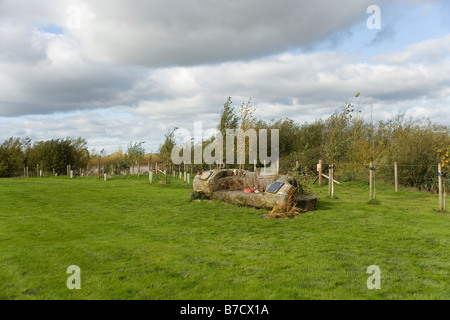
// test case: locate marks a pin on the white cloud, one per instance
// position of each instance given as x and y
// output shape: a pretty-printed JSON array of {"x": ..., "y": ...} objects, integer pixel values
[{"x": 428, "y": 52}]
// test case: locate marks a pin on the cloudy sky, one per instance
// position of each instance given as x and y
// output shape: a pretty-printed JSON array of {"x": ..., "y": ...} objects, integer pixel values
[{"x": 117, "y": 71}]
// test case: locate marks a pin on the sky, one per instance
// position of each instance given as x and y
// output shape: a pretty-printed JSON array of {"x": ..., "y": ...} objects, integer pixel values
[{"x": 113, "y": 72}]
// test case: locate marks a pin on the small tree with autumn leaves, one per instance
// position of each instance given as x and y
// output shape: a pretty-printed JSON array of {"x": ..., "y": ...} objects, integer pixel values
[
  {"x": 247, "y": 122},
  {"x": 444, "y": 158}
]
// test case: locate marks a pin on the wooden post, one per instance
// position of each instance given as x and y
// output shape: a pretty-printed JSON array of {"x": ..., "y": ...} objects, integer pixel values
[
  {"x": 278, "y": 165},
  {"x": 296, "y": 164},
  {"x": 254, "y": 165},
  {"x": 374, "y": 184},
  {"x": 441, "y": 200},
  {"x": 330, "y": 179},
  {"x": 370, "y": 181},
  {"x": 150, "y": 176},
  {"x": 444, "y": 193},
  {"x": 320, "y": 173},
  {"x": 396, "y": 176}
]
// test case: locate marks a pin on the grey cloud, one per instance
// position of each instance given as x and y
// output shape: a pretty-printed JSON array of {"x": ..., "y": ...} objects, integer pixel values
[
  {"x": 175, "y": 32},
  {"x": 98, "y": 65},
  {"x": 21, "y": 45}
]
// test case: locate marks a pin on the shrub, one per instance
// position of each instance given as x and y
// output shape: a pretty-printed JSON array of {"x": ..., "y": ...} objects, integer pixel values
[
  {"x": 194, "y": 195},
  {"x": 303, "y": 180}
]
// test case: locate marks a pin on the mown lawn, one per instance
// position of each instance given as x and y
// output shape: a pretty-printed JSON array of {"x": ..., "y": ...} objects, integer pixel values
[{"x": 133, "y": 240}]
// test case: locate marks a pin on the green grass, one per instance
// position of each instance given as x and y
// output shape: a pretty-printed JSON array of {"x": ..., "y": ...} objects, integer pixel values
[{"x": 133, "y": 240}]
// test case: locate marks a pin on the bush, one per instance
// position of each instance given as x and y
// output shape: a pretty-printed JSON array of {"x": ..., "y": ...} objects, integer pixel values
[
  {"x": 302, "y": 180},
  {"x": 194, "y": 195}
]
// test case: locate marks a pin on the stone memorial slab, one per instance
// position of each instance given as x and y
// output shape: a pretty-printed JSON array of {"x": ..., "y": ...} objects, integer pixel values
[{"x": 274, "y": 187}]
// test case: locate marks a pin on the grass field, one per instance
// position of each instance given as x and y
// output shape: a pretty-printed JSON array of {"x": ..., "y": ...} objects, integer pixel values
[{"x": 133, "y": 240}]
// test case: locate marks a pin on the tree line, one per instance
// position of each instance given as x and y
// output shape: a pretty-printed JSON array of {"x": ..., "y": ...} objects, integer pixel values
[
  {"x": 18, "y": 154},
  {"x": 347, "y": 140}
]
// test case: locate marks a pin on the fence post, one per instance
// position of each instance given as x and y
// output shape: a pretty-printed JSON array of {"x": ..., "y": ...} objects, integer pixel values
[
  {"x": 396, "y": 176},
  {"x": 370, "y": 181},
  {"x": 444, "y": 194},
  {"x": 329, "y": 180},
  {"x": 320, "y": 173},
  {"x": 165, "y": 172},
  {"x": 374, "y": 184},
  {"x": 332, "y": 180},
  {"x": 441, "y": 202}
]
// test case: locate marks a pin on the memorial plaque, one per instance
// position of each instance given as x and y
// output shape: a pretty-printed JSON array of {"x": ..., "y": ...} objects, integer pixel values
[{"x": 274, "y": 187}]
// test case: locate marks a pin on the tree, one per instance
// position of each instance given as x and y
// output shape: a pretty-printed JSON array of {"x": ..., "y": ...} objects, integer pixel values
[
  {"x": 12, "y": 157},
  {"x": 165, "y": 150},
  {"x": 228, "y": 120},
  {"x": 247, "y": 122},
  {"x": 135, "y": 153}
]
